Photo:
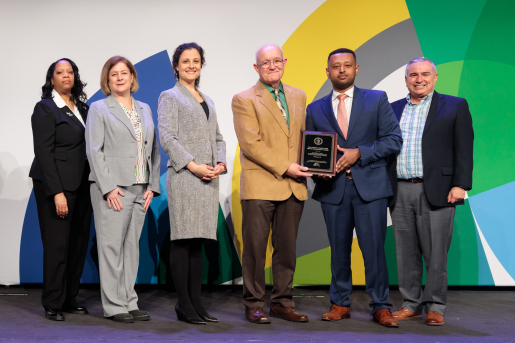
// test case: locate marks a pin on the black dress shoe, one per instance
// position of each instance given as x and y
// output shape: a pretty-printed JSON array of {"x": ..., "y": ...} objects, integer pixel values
[
  {"x": 75, "y": 309},
  {"x": 123, "y": 318},
  {"x": 140, "y": 315},
  {"x": 54, "y": 314},
  {"x": 182, "y": 316}
]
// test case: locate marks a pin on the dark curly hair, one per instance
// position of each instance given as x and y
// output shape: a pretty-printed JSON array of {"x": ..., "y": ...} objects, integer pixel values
[
  {"x": 78, "y": 96},
  {"x": 177, "y": 54}
]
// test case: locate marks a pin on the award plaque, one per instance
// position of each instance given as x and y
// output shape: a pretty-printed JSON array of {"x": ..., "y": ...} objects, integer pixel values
[{"x": 318, "y": 152}]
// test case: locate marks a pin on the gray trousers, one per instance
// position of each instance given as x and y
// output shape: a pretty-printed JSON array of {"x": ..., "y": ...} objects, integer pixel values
[
  {"x": 421, "y": 230},
  {"x": 118, "y": 235}
]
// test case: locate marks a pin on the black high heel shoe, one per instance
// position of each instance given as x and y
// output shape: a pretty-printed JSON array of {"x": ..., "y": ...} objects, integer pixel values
[
  {"x": 202, "y": 313},
  {"x": 208, "y": 318},
  {"x": 182, "y": 316}
]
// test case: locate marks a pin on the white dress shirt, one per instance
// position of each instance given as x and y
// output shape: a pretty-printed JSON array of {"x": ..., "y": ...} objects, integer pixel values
[
  {"x": 60, "y": 103},
  {"x": 348, "y": 102}
]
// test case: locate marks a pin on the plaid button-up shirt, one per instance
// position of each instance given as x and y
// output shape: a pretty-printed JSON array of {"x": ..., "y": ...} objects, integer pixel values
[{"x": 413, "y": 120}]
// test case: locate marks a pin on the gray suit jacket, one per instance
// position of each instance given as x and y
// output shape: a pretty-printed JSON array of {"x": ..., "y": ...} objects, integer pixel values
[
  {"x": 111, "y": 145},
  {"x": 187, "y": 135}
]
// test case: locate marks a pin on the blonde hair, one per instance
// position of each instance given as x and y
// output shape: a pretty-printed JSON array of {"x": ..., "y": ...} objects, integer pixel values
[{"x": 104, "y": 76}]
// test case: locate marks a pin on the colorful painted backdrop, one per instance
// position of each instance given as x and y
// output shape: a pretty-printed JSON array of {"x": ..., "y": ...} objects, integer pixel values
[{"x": 472, "y": 45}]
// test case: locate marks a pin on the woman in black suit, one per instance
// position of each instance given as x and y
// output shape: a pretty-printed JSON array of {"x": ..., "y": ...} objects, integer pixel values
[{"x": 59, "y": 174}]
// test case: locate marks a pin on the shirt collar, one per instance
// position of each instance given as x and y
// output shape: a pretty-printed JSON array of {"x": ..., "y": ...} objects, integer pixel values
[
  {"x": 133, "y": 107},
  {"x": 271, "y": 89},
  {"x": 349, "y": 92},
  {"x": 424, "y": 99},
  {"x": 58, "y": 100}
]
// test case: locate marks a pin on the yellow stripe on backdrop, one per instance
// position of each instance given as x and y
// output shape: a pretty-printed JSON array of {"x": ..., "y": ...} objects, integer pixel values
[{"x": 335, "y": 24}]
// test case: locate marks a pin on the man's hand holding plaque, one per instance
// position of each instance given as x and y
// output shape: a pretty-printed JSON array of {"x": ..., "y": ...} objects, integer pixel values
[{"x": 296, "y": 171}]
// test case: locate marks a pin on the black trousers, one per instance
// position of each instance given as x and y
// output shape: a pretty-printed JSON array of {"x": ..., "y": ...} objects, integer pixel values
[{"x": 65, "y": 242}]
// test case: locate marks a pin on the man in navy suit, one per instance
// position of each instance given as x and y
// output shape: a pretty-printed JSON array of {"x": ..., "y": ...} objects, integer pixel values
[
  {"x": 358, "y": 195},
  {"x": 429, "y": 177}
]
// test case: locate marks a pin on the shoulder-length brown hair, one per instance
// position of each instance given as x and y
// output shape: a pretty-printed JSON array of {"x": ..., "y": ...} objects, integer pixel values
[{"x": 104, "y": 77}]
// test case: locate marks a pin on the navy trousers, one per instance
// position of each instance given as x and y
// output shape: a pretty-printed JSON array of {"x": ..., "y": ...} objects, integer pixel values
[{"x": 369, "y": 219}]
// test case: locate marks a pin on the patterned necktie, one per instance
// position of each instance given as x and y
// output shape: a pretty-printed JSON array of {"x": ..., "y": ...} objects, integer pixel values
[
  {"x": 280, "y": 104},
  {"x": 341, "y": 116}
]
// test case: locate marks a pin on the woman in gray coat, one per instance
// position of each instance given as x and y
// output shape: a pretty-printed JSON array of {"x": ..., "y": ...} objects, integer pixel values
[
  {"x": 189, "y": 135},
  {"x": 122, "y": 149}
]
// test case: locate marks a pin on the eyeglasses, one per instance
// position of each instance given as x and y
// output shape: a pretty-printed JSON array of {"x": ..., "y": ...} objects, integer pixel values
[{"x": 267, "y": 64}]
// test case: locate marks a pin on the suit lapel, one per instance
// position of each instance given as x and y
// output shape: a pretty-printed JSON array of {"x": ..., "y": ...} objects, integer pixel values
[
  {"x": 436, "y": 104},
  {"x": 69, "y": 114},
  {"x": 292, "y": 107},
  {"x": 357, "y": 105},
  {"x": 266, "y": 99},
  {"x": 198, "y": 110},
  {"x": 143, "y": 118},
  {"x": 398, "y": 109},
  {"x": 117, "y": 111},
  {"x": 327, "y": 107}
]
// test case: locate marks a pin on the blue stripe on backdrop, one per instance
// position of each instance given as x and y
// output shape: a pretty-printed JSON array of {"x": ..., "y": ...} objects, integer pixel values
[
  {"x": 31, "y": 248},
  {"x": 493, "y": 211}
]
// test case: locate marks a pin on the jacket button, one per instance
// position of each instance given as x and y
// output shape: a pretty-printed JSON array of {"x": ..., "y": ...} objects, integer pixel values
[
  {"x": 145, "y": 142},
  {"x": 149, "y": 157},
  {"x": 291, "y": 146}
]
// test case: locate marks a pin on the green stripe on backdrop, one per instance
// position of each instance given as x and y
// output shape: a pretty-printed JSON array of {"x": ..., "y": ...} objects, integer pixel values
[
  {"x": 444, "y": 27},
  {"x": 449, "y": 76},
  {"x": 488, "y": 87},
  {"x": 486, "y": 82},
  {"x": 462, "y": 260},
  {"x": 221, "y": 261}
]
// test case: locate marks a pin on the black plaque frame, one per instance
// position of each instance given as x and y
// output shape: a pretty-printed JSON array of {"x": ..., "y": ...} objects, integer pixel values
[{"x": 307, "y": 145}]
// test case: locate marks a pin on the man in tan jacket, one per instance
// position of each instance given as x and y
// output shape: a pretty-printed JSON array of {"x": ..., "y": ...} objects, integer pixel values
[{"x": 268, "y": 119}]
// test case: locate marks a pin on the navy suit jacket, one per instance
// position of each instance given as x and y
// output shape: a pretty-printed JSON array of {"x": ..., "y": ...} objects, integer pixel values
[
  {"x": 373, "y": 129},
  {"x": 59, "y": 148},
  {"x": 447, "y": 148}
]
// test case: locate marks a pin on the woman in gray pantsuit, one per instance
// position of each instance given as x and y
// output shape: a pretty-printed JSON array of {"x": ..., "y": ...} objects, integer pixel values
[
  {"x": 189, "y": 134},
  {"x": 122, "y": 149}
]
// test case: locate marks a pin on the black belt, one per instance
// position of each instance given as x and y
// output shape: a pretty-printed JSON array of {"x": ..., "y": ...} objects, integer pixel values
[
  {"x": 412, "y": 180},
  {"x": 348, "y": 175}
]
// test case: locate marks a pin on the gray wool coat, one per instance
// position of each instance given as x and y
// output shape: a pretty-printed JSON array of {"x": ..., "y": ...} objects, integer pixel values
[{"x": 186, "y": 135}]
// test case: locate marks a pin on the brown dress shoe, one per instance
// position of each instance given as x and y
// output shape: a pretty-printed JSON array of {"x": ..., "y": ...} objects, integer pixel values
[
  {"x": 288, "y": 313},
  {"x": 434, "y": 318},
  {"x": 384, "y": 317},
  {"x": 403, "y": 313},
  {"x": 336, "y": 313},
  {"x": 256, "y": 315}
]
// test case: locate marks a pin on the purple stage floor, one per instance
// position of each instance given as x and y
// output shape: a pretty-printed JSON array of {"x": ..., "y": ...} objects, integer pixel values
[{"x": 472, "y": 316}]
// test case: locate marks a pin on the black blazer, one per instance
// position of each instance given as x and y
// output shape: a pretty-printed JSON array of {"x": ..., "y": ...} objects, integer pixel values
[
  {"x": 447, "y": 144},
  {"x": 59, "y": 148}
]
